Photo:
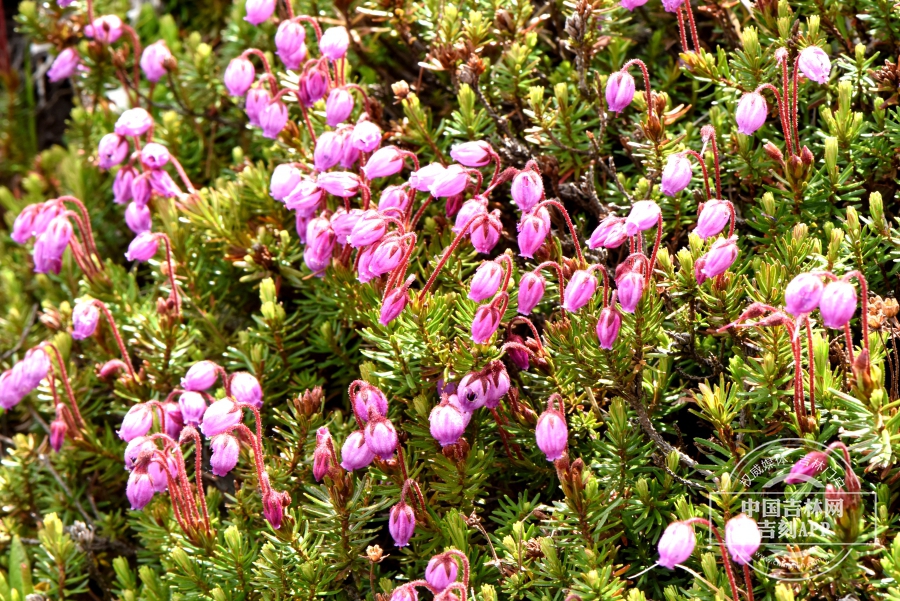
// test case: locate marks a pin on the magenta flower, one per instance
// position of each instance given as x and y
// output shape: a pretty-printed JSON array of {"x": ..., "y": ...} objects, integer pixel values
[
  {"x": 393, "y": 305},
  {"x": 676, "y": 544},
  {"x": 473, "y": 154},
  {"x": 106, "y": 29},
  {"x": 713, "y": 218},
  {"x": 630, "y": 287},
  {"x": 608, "y": 326},
  {"x": 51, "y": 244},
  {"x": 384, "y": 162},
  {"x": 273, "y": 506},
  {"x": 141, "y": 190},
  {"x": 751, "y": 113},
  {"x": 676, "y": 175},
  {"x": 122, "y": 185},
  {"x": 289, "y": 38},
  {"x": 366, "y": 136},
  {"x": 381, "y": 437},
  {"x": 486, "y": 234},
  {"x": 328, "y": 151},
  {"x": 369, "y": 229},
  {"x": 579, "y": 290},
  {"x": 259, "y": 11},
  {"x": 672, "y": 5},
  {"x": 450, "y": 182},
  {"x": 201, "y": 376},
  {"x": 402, "y": 523},
  {"x": 393, "y": 197},
  {"x": 322, "y": 454},
  {"x": 355, "y": 454},
  {"x": 273, "y": 118},
  {"x": 285, "y": 178},
  {"x": 551, "y": 433},
  {"x": 257, "y": 100},
  {"x": 531, "y": 291},
  {"x": 23, "y": 227},
  {"x": 85, "y": 317},
  {"x": 720, "y": 257},
  {"x": 441, "y": 571},
  {"x": 193, "y": 406},
  {"x": 533, "y": 230},
  {"x": 742, "y": 538},
  {"x": 314, "y": 85},
  {"x": 471, "y": 208},
  {"x": 527, "y": 189},
  {"x": 838, "y": 304},
  {"x": 405, "y": 593},
  {"x": 239, "y": 76},
  {"x": 486, "y": 281},
  {"x": 10, "y": 394},
  {"x": 644, "y": 215},
  {"x": 334, "y": 43},
  {"x": 295, "y": 61},
  {"x": 369, "y": 397},
  {"x": 803, "y": 294},
  {"x": 139, "y": 490},
  {"x": 174, "y": 421},
  {"x": 339, "y": 183},
  {"x": 143, "y": 247},
  {"x": 610, "y": 233},
  {"x": 421, "y": 179},
  {"x": 163, "y": 184},
  {"x": 112, "y": 150},
  {"x": 338, "y": 106},
  {"x": 58, "y": 429},
  {"x": 446, "y": 423},
  {"x": 619, "y": 91},
  {"x": 153, "y": 60},
  {"x": 808, "y": 467},
  {"x": 485, "y": 323},
  {"x": 632, "y": 4},
  {"x": 320, "y": 241},
  {"x": 134, "y": 122},
  {"x": 64, "y": 65},
  {"x": 137, "y": 422},
  {"x": 220, "y": 417},
  {"x": 245, "y": 388},
  {"x": 815, "y": 64},
  {"x": 225, "y": 451}
]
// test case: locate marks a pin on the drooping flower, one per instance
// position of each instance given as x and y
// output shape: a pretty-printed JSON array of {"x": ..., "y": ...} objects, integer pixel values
[
  {"x": 239, "y": 76},
  {"x": 644, "y": 215},
  {"x": 751, "y": 113},
  {"x": 441, "y": 571},
  {"x": 676, "y": 544},
  {"x": 394, "y": 303},
  {"x": 338, "y": 106},
  {"x": 486, "y": 233},
  {"x": 381, "y": 436},
  {"x": 225, "y": 451},
  {"x": 137, "y": 422},
  {"x": 579, "y": 290},
  {"x": 322, "y": 455},
  {"x": 339, "y": 183},
  {"x": 153, "y": 60},
  {"x": 742, "y": 538},
  {"x": 257, "y": 100},
  {"x": 676, "y": 175},
  {"x": 713, "y": 218},
  {"x": 221, "y": 416},
  {"x": 632, "y": 4},
  {"x": 285, "y": 178},
  {"x": 384, "y": 162},
  {"x": 155, "y": 156},
  {"x": 619, "y": 91},
  {"x": 531, "y": 291},
  {"x": 477, "y": 153},
  {"x": 527, "y": 189},
  {"x": 449, "y": 182},
  {"x": 51, "y": 244},
  {"x": 838, "y": 304},
  {"x": 533, "y": 231},
  {"x": 610, "y": 233},
  {"x": 85, "y": 317},
  {"x": 201, "y": 376},
  {"x": 369, "y": 397},
  {"x": 630, "y": 288},
  {"x": 106, "y": 29},
  {"x": 289, "y": 38},
  {"x": 64, "y": 65},
  {"x": 273, "y": 118},
  {"x": 720, "y": 257},
  {"x": 608, "y": 326},
  {"x": 815, "y": 64},
  {"x": 402, "y": 523},
  {"x": 355, "y": 453},
  {"x": 422, "y": 178},
  {"x": 245, "y": 388},
  {"x": 193, "y": 406},
  {"x": 111, "y": 150},
  {"x": 259, "y": 11},
  {"x": 486, "y": 281},
  {"x": 134, "y": 122},
  {"x": 139, "y": 490},
  {"x": 803, "y": 294},
  {"x": 809, "y": 466},
  {"x": 447, "y": 423},
  {"x": 485, "y": 323},
  {"x": 334, "y": 43},
  {"x": 138, "y": 218},
  {"x": 552, "y": 434},
  {"x": 366, "y": 136}
]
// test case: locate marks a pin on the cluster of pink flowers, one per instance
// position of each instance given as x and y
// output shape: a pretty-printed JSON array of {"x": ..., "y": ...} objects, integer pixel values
[
  {"x": 742, "y": 540},
  {"x": 441, "y": 579}
]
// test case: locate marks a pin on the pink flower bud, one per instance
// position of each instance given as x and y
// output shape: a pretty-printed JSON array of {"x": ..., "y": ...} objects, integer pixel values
[
  {"x": 473, "y": 392},
  {"x": 485, "y": 323},
  {"x": 608, "y": 326},
  {"x": 676, "y": 175},
  {"x": 402, "y": 523},
  {"x": 497, "y": 384},
  {"x": 470, "y": 208},
  {"x": 139, "y": 490},
  {"x": 225, "y": 451},
  {"x": 155, "y": 156},
  {"x": 533, "y": 231},
  {"x": 193, "y": 406},
  {"x": 85, "y": 318},
  {"x": 450, "y": 182},
  {"x": 273, "y": 507},
  {"x": 632, "y": 4},
  {"x": 672, "y": 6},
  {"x": 259, "y": 11},
  {"x": 472, "y": 154},
  {"x": 619, "y": 91},
  {"x": 23, "y": 227},
  {"x": 138, "y": 218},
  {"x": 713, "y": 218},
  {"x": 221, "y": 416},
  {"x": 289, "y": 38},
  {"x": 387, "y": 254},
  {"x": 751, "y": 113},
  {"x": 518, "y": 356},
  {"x": 106, "y": 29},
  {"x": 803, "y": 294},
  {"x": 295, "y": 61},
  {"x": 742, "y": 538},
  {"x": 579, "y": 290},
  {"x": 334, "y": 43},
  {"x": 143, "y": 247},
  {"x": 384, "y": 162},
  {"x": 134, "y": 448},
  {"x": 339, "y": 183},
  {"x": 329, "y": 148},
  {"x": 815, "y": 64},
  {"x": 486, "y": 281},
  {"x": 239, "y": 76},
  {"x": 64, "y": 65},
  {"x": 720, "y": 257},
  {"x": 531, "y": 291},
  {"x": 273, "y": 118},
  {"x": 366, "y": 136},
  {"x": 141, "y": 190},
  {"x": 422, "y": 179},
  {"x": 112, "y": 150},
  {"x": 201, "y": 376},
  {"x": 153, "y": 60},
  {"x": 486, "y": 234},
  {"x": 257, "y": 100},
  {"x": 134, "y": 122},
  {"x": 163, "y": 184},
  {"x": 441, "y": 571},
  {"x": 58, "y": 429},
  {"x": 405, "y": 593},
  {"x": 305, "y": 198},
  {"x": 122, "y": 185},
  {"x": 394, "y": 197},
  {"x": 369, "y": 229},
  {"x": 838, "y": 304},
  {"x": 322, "y": 454},
  {"x": 320, "y": 240},
  {"x": 676, "y": 544},
  {"x": 610, "y": 233},
  {"x": 630, "y": 287},
  {"x": 245, "y": 388},
  {"x": 48, "y": 212},
  {"x": 393, "y": 305},
  {"x": 381, "y": 437},
  {"x": 32, "y": 369},
  {"x": 51, "y": 244},
  {"x": 314, "y": 84},
  {"x": 173, "y": 418},
  {"x": 552, "y": 434},
  {"x": 355, "y": 453},
  {"x": 527, "y": 189},
  {"x": 644, "y": 215},
  {"x": 338, "y": 106},
  {"x": 137, "y": 422},
  {"x": 446, "y": 423},
  {"x": 810, "y": 465}
]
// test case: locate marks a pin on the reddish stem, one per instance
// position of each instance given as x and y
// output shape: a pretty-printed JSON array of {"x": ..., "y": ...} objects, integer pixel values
[
  {"x": 640, "y": 63},
  {"x": 256, "y": 51},
  {"x": 782, "y": 114},
  {"x": 115, "y": 331},
  {"x": 183, "y": 175},
  {"x": 702, "y": 162},
  {"x": 171, "y": 269},
  {"x": 715, "y": 148},
  {"x": 135, "y": 40},
  {"x": 864, "y": 293},
  {"x": 565, "y": 213},
  {"x": 726, "y": 560},
  {"x": 447, "y": 253},
  {"x": 684, "y": 42},
  {"x": 693, "y": 24},
  {"x": 526, "y": 321},
  {"x": 311, "y": 21},
  {"x": 64, "y": 376},
  {"x": 559, "y": 274},
  {"x": 191, "y": 432}
]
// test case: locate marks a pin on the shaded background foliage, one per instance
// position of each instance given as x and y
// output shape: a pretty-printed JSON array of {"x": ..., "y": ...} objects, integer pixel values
[{"x": 528, "y": 77}]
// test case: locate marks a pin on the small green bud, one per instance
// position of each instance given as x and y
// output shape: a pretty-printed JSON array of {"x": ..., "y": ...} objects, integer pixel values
[
  {"x": 800, "y": 232},
  {"x": 237, "y": 155},
  {"x": 750, "y": 41},
  {"x": 860, "y": 53},
  {"x": 783, "y": 592},
  {"x": 768, "y": 203},
  {"x": 852, "y": 220},
  {"x": 876, "y": 208},
  {"x": 488, "y": 593},
  {"x": 169, "y": 119},
  {"x": 845, "y": 97},
  {"x": 831, "y": 153},
  {"x": 812, "y": 26}
]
